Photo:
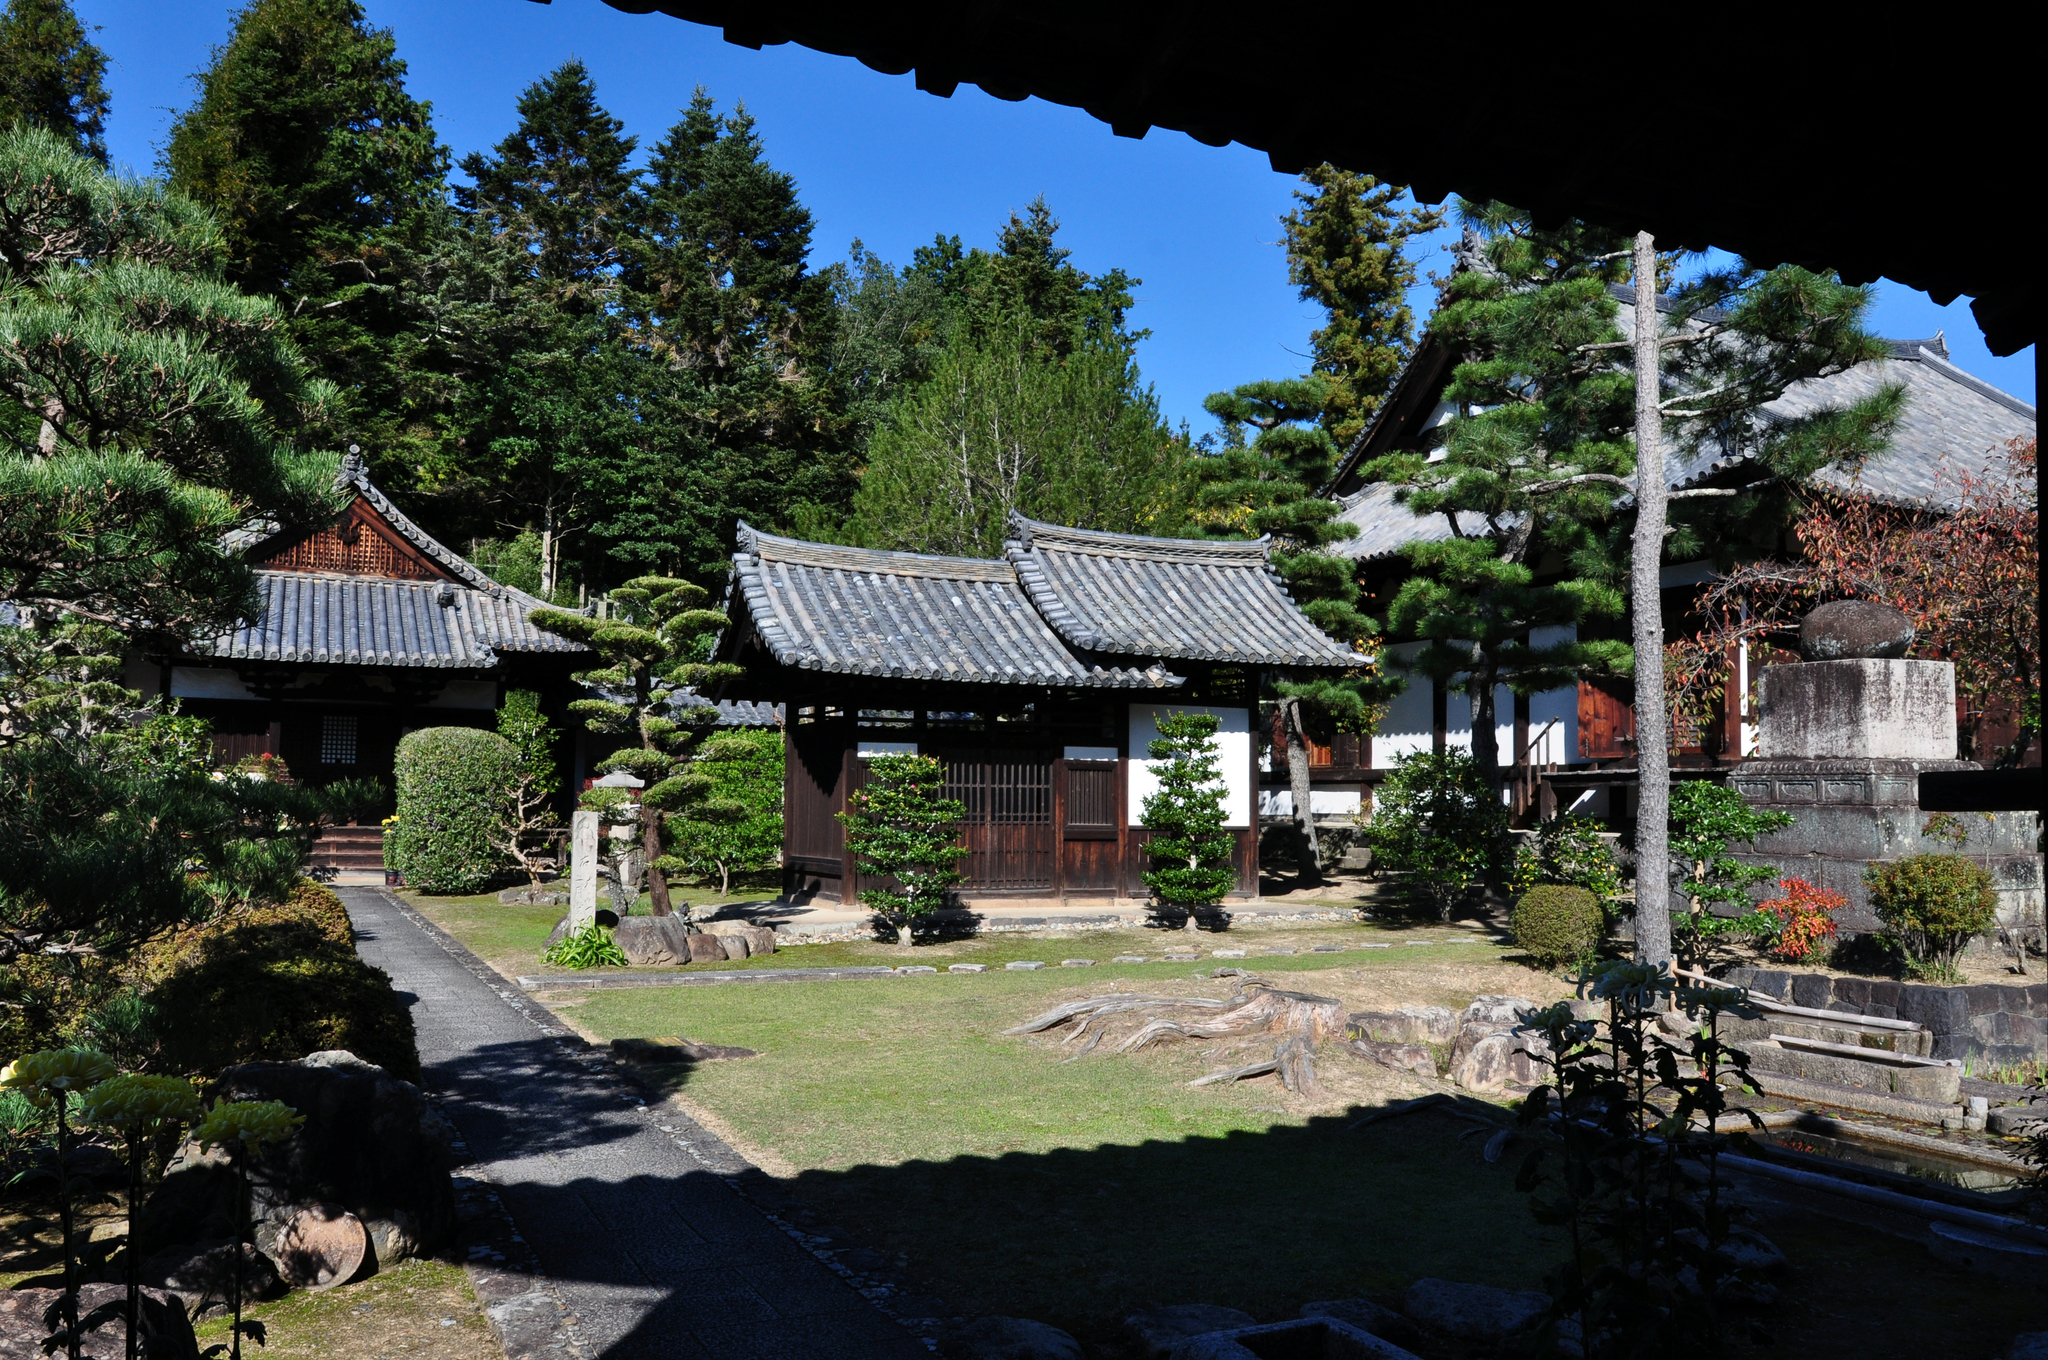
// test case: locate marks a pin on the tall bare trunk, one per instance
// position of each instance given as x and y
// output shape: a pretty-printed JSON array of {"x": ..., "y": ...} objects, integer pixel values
[
  {"x": 1486, "y": 726},
  {"x": 1307, "y": 850},
  {"x": 650, "y": 844},
  {"x": 547, "y": 554},
  {"x": 1653, "y": 746}
]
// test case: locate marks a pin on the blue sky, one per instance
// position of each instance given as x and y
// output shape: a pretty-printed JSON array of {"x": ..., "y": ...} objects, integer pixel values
[{"x": 878, "y": 160}]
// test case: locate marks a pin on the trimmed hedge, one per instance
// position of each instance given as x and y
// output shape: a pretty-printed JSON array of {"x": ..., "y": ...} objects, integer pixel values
[
  {"x": 276, "y": 983},
  {"x": 451, "y": 783},
  {"x": 1557, "y": 923}
]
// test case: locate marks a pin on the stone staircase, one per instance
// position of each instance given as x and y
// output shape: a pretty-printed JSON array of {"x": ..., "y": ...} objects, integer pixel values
[{"x": 350, "y": 849}]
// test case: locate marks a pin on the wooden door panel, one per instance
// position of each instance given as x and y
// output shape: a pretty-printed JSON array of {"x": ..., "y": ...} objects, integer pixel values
[{"x": 1007, "y": 823}]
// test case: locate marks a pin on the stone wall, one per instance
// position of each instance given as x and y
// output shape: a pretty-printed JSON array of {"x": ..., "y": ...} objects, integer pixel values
[{"x": 1995, "y": 1023}]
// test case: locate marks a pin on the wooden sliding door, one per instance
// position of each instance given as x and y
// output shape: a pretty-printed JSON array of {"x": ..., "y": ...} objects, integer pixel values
[{"x": 1008, "y": 827}]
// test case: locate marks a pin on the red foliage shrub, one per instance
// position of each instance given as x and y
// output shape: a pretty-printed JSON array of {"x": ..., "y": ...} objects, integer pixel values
[{"x": 1806, "y": 917}]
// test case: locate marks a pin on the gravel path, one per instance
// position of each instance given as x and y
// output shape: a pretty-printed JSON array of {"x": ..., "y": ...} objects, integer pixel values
[{"x": 639, "y": 1245}]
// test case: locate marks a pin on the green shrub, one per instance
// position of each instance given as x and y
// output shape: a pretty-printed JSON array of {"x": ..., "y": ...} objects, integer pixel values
[
  {"x": 1934, "y": 904},
  {"x": 1569, "y": 850},
  {"x": 1439, "y": 820},
  {"x": 275, "y": 983},
  {"x": 1557, "y": 923},
  {"x": 452, "y": 782}
]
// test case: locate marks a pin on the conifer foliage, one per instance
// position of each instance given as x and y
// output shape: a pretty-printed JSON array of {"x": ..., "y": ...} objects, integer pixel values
[
  {"x": 327, "y": 179},
  {"x": 1191, "y": 852},
  {"x": 900, "y": 825},
  {"x": 51, "y": 75},
  {"x": 655, "y": 628},
  {"x": 1347, "y": 251}
]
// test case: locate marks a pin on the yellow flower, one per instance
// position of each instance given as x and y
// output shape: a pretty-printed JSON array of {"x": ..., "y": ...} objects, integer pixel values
[
  {"x": 251, "y": 1123},
  {"x": 42, "y": 1076},
  {"x": 133, "y": 1102}
]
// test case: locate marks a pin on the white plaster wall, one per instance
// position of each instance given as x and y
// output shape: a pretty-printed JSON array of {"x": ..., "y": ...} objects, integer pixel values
[
  {"x": 1406, "y": 728},
  {"x": 1327, "y": 800},
  {"x": 1234, "y": 753}
]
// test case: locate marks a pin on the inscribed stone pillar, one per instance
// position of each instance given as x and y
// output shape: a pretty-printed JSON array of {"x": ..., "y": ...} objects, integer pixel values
[{"x": 582, "y": 869}]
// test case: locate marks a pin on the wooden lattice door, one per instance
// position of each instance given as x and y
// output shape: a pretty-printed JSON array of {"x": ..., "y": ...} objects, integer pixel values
[{"x": 1008, "y": 826}]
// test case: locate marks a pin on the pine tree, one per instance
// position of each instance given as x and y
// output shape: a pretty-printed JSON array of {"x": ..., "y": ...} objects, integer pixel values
[
  {"x": 653, "y": 628},
  {"x": 150, "y": 406},
  {"x": 561, "y": 184},
  {"x": 1538, "y": 455},
  {"x": 329, "y": 184},
  {"x": 900, "y": 825},
  {"x": 51, "y": 74},
  {"x": 524, "y": 309},
  {"x": 1737, "y": 338},
  {"x": 1347, "y": 252},
  {"x": 1268, "y": 486},
  {"x": 739, "y": 419}
]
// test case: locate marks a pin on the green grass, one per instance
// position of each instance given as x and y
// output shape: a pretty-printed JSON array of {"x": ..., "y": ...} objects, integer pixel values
[
  {"x": 1075, "y": 1193},
  {"x": 415, "y": 1308}
]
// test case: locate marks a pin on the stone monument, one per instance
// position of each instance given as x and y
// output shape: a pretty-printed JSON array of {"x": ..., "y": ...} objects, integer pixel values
[
  {"x": 582, "y": 869},
  {"x": 1844, "y": 736}
]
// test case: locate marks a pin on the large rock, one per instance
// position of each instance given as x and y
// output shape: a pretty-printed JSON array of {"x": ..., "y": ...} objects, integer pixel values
[
  {"x": 653, "y": 941},
  {"x": 1473, "y": 1312},
  {"x": 1367, "y": 1316},
  {"x": 759, "y": 940},
  {"x": 1158, "y": 1330},
  {"x": 1851, "y": 630},
  {"x": 706, "y": 949},
  {"x": 1487, "y": 1065},
  {"x": 1007, "y": 1338},
  {"x": 200, "y": 1273},
  {"x": 370, "y": 1144},
  {"x": 165, "y": 1328},
  {"x": 1502, "y": 1011},
  {"x": 1407, "y": 1025}
]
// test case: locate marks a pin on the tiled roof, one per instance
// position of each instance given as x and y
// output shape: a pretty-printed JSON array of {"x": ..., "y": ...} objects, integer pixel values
[
  {"x": 1188, "y": 599},
  {"x": 856, "y": 611},
  {"x": 376, "y": 621},
  {"x": 739, "y": 712},
  {"x": 1952, "y": 424},
  {"x": 369, "y": 621}
]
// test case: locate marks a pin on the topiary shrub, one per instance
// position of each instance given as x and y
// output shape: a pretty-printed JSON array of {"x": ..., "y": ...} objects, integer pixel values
[
  {"x": 1557, "y": 923},
  {"x": 1934, "y": 904},
  {"x": 275, "y": 983},
  {"x": 1438, "y": 821},
  {"x": 452, "y": 782}
]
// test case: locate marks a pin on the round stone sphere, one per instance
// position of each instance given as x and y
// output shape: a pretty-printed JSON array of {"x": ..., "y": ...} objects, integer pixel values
[{"x": 1849, "y": 630}]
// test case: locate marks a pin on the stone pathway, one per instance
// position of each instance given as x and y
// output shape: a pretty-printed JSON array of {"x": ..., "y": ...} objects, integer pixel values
[{"x": 640, "y": 1244}]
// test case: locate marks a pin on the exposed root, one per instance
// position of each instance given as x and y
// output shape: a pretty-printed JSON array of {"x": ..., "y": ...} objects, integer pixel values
[{"x": 1297, "y": 1018}]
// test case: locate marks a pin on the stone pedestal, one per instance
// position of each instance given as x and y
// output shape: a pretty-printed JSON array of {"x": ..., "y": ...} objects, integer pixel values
[
  {"x": 1842, "y": 747},
  {"x": 1858, "y": 709}
]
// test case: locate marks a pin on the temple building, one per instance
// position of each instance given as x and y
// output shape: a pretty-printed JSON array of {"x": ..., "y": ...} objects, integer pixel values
[
  {"x": 369, "y": 629},
  {"x": 1038, "y": 678}
]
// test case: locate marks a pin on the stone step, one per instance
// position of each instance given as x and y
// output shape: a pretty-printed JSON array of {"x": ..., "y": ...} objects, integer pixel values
[{"x": 1880, "y": 1073}]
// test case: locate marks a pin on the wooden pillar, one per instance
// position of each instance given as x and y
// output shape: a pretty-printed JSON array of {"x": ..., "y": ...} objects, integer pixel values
[
  {"x": 1522, "y": 780},
  {"x": 1439, "y": 717}
]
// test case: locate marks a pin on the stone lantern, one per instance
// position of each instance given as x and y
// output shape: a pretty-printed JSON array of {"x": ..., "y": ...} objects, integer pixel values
[{"x": 1844, "y": 736}]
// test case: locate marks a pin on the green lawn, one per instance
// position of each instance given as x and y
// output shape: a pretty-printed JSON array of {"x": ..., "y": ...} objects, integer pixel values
[{"x": 1004, "y": 1180}]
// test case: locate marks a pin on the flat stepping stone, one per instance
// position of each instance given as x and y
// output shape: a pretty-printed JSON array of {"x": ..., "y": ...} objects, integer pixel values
[
  {"x": 917, "y": 968},
  {"x": 708, "y": 978},
  {"x": 1375, "y": 946},
  {"x": 1128, "y": 958},
  {"x": 1279, "y": 951},
  {"x": 1182, "y": 958},
  {"x": 1023, "y": 967},
  {"x": 1327, "y": 949},
  {"x": 1077, "y": 963},
  {"x": 967, "y": 968},
  {"x": 1227, "y": 953}
]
